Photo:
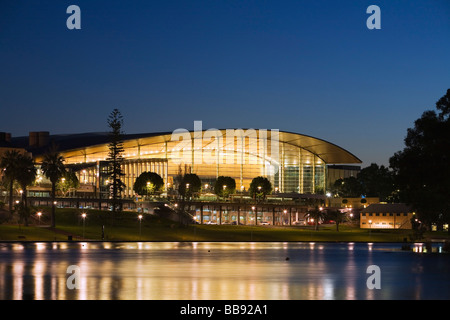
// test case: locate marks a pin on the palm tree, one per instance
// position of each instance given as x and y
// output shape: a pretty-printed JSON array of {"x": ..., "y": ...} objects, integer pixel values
[
  {"x": 9, "y": 165},
  {"x": 317, "y": 214},
  {"x": 25, "y": 175},
  {"x": 53, "y": 168},
  {"x": 338, "y": 217}
]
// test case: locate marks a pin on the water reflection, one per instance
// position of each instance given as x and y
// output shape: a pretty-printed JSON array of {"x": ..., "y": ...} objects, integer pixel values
[{"x": 219, "y": 271}]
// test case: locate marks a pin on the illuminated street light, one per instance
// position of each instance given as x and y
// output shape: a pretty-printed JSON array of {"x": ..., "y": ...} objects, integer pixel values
[
  {"x": 140, "y": 226},
  {"x": 256, "y": 215},
  {"x": 83, "y": 215},
  {"x": 39, "y": 217}
]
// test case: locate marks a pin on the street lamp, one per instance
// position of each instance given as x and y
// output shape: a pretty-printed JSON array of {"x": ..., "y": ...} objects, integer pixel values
[
  {"x": 39, "y": 217},
  {"x": 140, "y": 226},
  {"x": 83, "y": 215},
  {"x": 328, "y": 194}
]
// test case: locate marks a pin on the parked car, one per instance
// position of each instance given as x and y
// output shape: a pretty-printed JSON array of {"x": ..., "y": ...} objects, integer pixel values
[
  {"x": 264, "y": 223},
  {"x": 299, "y": 223}
]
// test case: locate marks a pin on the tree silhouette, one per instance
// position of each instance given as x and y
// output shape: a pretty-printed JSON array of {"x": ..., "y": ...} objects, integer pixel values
[
  {"x": 422, "y": 171},
  {"x": 224, "y": 186},
  {"x": 9, "y": 165},
  {"x": 260, "y": 187},
  {"x": 190, "y": 185},
  {"x": 26, "y": 174},
  {"x": 148, "y": 183},
  {"x": 317, "y": 214},
  {"x": 115, "y": 159},
  {"x": 53, "y": 168}
]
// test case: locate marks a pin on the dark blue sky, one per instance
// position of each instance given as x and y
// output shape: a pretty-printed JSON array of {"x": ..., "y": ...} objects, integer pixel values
[{"x": 310, "y": 67}]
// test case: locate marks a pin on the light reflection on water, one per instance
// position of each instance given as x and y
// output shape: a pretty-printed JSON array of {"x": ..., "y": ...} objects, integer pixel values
[{"x": 219, "y": 271}]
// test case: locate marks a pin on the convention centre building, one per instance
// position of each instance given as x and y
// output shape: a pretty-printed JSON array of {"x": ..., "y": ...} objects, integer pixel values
[{"x": 294, "y": 163}]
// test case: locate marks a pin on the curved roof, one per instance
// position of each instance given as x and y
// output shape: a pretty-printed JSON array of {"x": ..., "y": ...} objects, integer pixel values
[{"x": 327, "y": 151}]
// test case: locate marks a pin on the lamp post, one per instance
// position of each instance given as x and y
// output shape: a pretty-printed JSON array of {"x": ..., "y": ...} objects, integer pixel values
[
  {"x": 255, "y": 214},
  {"x": 39, "y": 217},
  {"x": 140, "y": 226},
  {"x": 83, "y": 215},
  {"x": 328, "y": 194},
  {"x": 187, "y": 190}
]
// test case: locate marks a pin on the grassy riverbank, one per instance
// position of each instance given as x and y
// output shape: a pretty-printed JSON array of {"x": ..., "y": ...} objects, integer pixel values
[{"x": 125, "y": 226}]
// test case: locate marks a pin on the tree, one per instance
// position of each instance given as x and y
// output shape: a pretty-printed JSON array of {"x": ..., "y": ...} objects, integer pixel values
[
  {"x": 224, "y": 186},
  {"x": 26, "y": 174},
  {"x": 422, "y": 171},
  {"x": 115, "y": 159},
  {"x": 348, "y": 187},
  {"x": 148, "y": 183},
  {"x": 337, "y": 216},
  {"x": 376, "y": 181},
  {"x": 317, "y": 214},
  {"x": 68, "y": 182},
  {"x": 371, "y": 181},
  {"x": 9, "y": 165},
  {"x": 260, "y": 187},
  {"x": 53, "y": 168},
  {"x": 190, "y": 185},
  {"x": 24, "y": 212}
]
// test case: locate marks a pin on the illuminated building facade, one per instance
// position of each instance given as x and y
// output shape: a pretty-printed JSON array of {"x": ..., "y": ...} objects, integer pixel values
[
  {"x": 386, "y": 216},
  {"x": 294, "y": 163}
]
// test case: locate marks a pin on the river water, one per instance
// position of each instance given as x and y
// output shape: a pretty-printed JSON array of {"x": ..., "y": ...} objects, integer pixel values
[{"x": 221, "y": 271}]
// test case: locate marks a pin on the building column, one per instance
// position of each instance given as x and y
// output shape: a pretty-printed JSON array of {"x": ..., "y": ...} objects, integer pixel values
[
  {"x": 313, "y": 183},
  {"x": 300, "y": 171},
  {"x": 201, "y": 214},
  {"x": 166, "y": 178}
]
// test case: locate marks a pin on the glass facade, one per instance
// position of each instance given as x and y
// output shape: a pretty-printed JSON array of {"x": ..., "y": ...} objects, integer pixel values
[{"x": 240, "y": 154}]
